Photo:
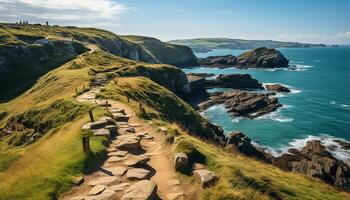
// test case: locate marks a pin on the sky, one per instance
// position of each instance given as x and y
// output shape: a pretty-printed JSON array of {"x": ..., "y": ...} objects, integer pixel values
[{"x": 310, "y": 21}]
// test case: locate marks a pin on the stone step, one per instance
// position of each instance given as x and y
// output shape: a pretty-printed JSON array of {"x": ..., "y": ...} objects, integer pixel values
[
  {"x": 138, "y": 174},
  {"x": 144, "y": 189}
]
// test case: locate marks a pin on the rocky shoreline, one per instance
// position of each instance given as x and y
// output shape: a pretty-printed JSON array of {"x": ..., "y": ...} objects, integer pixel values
[
  {"x": 257, "y": 58},
  {"x": 243, "y": 103},
  {"x": 313, "y": 159}
]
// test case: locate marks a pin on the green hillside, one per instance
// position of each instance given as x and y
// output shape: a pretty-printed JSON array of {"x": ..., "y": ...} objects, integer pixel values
[
  {"x": 40, "y": 132},
  {"x": 208, "y": 44}
]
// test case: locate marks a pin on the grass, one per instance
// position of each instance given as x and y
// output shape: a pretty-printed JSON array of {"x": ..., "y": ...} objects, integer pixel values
[
  {"x": 160, "y": 100},
  {"x": 46, "y": 168}
]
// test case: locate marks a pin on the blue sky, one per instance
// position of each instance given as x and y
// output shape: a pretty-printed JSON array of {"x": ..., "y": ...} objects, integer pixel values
[{"x": 315, "y": 21}]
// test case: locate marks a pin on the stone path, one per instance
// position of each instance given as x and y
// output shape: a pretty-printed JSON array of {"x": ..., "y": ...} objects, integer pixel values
[{"x": 137, "y": 167}]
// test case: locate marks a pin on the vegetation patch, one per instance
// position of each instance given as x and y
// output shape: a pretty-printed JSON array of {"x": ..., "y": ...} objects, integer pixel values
[{"x": 29, "y": 126}]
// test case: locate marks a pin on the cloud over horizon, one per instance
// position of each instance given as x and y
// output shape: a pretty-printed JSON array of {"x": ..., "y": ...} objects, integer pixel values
[
  {"x": 337, "y": 38},
  {"x": 64, "y": 12}
]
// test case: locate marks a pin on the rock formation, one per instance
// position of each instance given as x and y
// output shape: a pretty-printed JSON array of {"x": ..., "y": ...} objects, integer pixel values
[
  {"x": 218, "y": 61},
  {"x": 277, "y": 88},
  {"x": 316, "y": 161},
  {"x": 243, "y": 103},
  {"x": 235, "y": 81},
  {"x": 257, "y": 58}
]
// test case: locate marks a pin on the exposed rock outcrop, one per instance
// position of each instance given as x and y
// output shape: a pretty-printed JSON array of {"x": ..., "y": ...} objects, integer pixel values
[
  {"x": 277, "y": 88},
  {"x": 167, "y": 53},
  {"x": 262, "y": 58},
  {"x": 218, "y": 61},
  {"x": 180, "y": 161},
  {"x": 243, "y": 143},
  {"x": 243, "y": 103},
  {"x": 205, "y": 177},
  {"x": 235, "y": 81},
  {"x": 316, "y": 161},
  {"x": 257, "y": 58}
]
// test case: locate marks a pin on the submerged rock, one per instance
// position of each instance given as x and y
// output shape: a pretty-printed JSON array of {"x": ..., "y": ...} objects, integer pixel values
[{"x": 243, "y": 103}]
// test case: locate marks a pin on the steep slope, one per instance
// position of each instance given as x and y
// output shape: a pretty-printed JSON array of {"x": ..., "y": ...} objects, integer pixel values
[
  {"x": 208, "y": 44},
  {"x": 178, "y": 55}
]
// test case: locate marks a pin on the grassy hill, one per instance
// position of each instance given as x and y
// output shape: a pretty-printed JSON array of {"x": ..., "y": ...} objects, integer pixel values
[
  {"x": 29, "y": 51},
  {"x": 208, "y": 44},
  {"x": 40, "y": 134}
]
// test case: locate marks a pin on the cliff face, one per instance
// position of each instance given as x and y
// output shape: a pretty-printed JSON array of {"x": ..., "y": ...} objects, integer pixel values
[
  {"x": 167, "y": 53},
  {"x": 22, "y": 64}
]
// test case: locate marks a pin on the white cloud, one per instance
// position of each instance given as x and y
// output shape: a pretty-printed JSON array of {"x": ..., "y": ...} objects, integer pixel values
[
  {"x": 60, "y": 11},
  {"x": 337, "y": 38}
]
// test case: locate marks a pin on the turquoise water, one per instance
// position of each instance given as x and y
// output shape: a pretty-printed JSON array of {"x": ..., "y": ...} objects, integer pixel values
[{"x": 318, "y": 107}]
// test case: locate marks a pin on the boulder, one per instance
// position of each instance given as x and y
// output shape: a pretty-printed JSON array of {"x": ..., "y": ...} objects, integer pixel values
[
  {"x": 277, "y": 88},
  {"x": 138, "y": 174},
  {"x": 261, "y": 58},
  {"x": 118, "y": 153},
  {"x": 130, "y": 130},
  {"x": 141, "y": 190},
  {"x": 78, "y": 180},
  {"x": 205, "y": 177},
  {"x": 235, "y": 81},
  {"x": 180, "y": 161}
]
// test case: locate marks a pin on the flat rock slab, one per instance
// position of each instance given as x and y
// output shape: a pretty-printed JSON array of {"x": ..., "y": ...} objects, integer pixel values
[
  {"x": 101, "y": 132},
  {"x": 114, "y": 159},
  {"x": 95, "y": 125},
  {"x": 138, "y": 174},
  {"x": 105, "y": 180},
  {"x": 97, "y": 189},
  {"x": 119, "y": 117},
  {"x": 107, "y": 194},
  {"x": 122, "y": 123},
  {"x": 128, "y": 142},
  {"x": 116, "y": 110},
  {"x": 205, "y": 177},
  {"x": 119, "y": 187},
  {"x": 116, "y": 171},
  {"x": 136, "y": 160},
  {"x": 173, "y": 182},
  {"x": 135, "y": 125},
  {"x": 141, "y": 190},
  {"x": 118, "y": 153}
]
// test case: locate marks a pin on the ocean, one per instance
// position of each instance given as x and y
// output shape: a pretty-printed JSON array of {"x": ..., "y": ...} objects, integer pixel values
[{"x": 317, "y": 108}]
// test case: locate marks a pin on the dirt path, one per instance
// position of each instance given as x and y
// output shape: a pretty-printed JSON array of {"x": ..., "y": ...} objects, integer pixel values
[{"x": 111, "y": 181}]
